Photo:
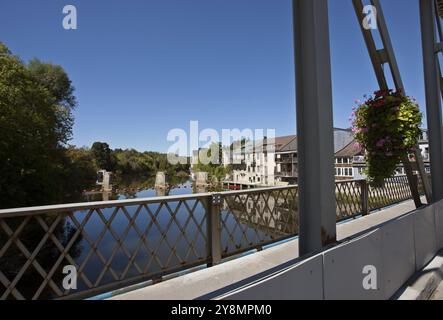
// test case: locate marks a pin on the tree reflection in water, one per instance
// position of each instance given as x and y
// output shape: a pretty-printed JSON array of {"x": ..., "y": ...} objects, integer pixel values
[{"x": 15, "y": 265}]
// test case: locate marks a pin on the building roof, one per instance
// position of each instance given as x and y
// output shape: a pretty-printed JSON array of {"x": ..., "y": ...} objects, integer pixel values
[
  {"x": 342, "y": 138},
  {"x": 280, "y": 143},
  {"x": 349, "y": 150},
  {"x": 287, "y": 143},
  {"x": 289, "y": 146}
]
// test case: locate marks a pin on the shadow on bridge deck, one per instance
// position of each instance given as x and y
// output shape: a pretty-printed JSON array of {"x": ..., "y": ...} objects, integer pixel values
[{"x": 213, "y": 282}]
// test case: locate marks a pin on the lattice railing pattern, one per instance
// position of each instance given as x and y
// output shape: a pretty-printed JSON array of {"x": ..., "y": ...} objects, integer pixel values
[
  {"x": 120, "y": 243},
  {"x": 395, "y": 190},
  {"x": 110, "y": 247},
  {"x": 348, "y": 199},
  {"x": 258, "y": 218}
]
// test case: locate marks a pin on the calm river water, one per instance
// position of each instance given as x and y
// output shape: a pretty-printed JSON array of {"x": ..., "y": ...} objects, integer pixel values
[{"x": 112, "y": 245}]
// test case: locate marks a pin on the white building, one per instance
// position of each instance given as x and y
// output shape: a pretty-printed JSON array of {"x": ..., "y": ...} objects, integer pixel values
[
  {"x": 350, "y": 160},
  {"x": 261, "y": 167},
  {"x": 255, "y": 166}
]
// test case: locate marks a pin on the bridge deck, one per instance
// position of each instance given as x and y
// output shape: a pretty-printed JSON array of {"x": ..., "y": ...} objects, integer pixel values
[{"x": 206, "y": 282}]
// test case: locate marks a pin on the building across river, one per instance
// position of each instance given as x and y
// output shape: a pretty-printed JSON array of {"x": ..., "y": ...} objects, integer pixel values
[{"x": 278, "y": 168}]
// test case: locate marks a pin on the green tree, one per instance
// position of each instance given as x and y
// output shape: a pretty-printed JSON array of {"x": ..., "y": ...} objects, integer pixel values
[
  {"x": 80, "y": 171},
  {"x": 56, "y": 81},
  {"x": 216, "y": 171},
  {"x": 101, "y": 153},
  {"x": 30, "y": 153}
]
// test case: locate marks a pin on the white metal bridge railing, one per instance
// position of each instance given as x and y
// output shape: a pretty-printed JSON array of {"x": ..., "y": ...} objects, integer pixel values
[{"x": 119, "y": 243}]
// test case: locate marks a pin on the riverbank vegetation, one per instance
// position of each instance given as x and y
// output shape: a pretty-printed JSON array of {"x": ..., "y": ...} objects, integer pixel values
[
  {"x": 131, "y": 164},
  {"x": 37, "y": 164},
  {"x": 217, "y": 172}
]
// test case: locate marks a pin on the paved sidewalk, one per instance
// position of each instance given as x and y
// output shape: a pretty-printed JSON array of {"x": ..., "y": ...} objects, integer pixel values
[
  {"x": 203, "y": 282},
  {"x": 438, "y": 294}
]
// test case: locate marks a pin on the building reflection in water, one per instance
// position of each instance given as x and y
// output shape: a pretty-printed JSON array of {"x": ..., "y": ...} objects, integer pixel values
[{"x": 273, "y": 215}]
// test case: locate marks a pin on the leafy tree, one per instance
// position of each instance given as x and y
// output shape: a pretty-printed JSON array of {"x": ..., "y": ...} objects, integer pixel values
[
  {"x": 56, "y": 81},
  {"x": 80, "y": 171},
  {"x": 216, "y": 171},
  {"x": 101, "y": 153},
  {"x": 30, "y": 153},
  {"x": 37, "y": 166},
  {"x": 146, "y": 164}
]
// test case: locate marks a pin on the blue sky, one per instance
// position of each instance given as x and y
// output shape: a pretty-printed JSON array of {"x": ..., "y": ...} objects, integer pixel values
[{"x": 144, "y": 67}]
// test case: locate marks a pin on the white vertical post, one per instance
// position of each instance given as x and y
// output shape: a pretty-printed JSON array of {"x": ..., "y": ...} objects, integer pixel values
[{"x": 314, "y": 125}]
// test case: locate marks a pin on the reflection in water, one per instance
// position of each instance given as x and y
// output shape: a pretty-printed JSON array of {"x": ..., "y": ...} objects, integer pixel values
[
  {"x": 112, "y": 244},
  {"x": 251, "y": 220},
  {"x": 33, "y": 237},
  {"x": 130, "y": 188}
]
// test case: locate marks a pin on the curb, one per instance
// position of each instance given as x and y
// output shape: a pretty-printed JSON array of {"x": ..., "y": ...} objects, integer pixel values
[{"x": 422, "y": 285}]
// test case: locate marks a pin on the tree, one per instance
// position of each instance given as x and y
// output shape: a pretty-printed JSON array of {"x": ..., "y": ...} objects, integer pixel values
[
  {"x": 216, "y": 171},
  {"x": 102, "y": 155},
  {"x": 37, "y": 166},
  {"x": 56, "y": 81},
  {"x": 30, "y": 153},
  {"x": 80, "y": 171}
]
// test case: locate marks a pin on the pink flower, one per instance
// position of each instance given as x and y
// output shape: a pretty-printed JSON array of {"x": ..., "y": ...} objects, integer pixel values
[{"x": 357, "y": 101}]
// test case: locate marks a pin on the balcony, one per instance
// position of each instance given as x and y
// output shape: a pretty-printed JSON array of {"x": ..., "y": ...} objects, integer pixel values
[
  {"x": 286, "y": 174},
  {"x": 239, "y": 167},
  {"x": 286, "y": 161},
  {"x": 358, "y": 159}
]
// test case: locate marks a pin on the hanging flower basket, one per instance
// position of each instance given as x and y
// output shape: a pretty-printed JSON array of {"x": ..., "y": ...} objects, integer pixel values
[{"x": 387, "y": 127}]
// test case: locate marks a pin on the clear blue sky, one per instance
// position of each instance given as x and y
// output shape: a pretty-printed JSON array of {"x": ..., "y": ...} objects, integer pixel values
[{"x": 143, "y": 67}]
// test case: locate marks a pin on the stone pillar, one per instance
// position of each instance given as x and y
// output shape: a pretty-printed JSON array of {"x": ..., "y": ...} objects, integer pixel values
[
  {"x": 201, "y": 178},
  {"x": 160, "y": 180}
]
